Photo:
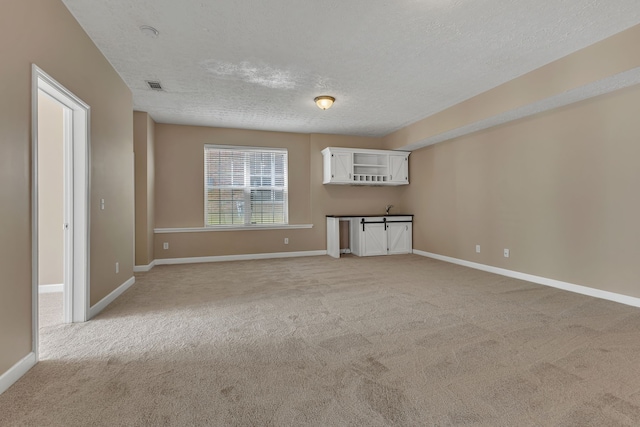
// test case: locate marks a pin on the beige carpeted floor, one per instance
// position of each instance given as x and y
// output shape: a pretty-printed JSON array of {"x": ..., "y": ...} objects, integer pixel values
[
  {"x": 398, "y": 340},
  {"x": 49, "y": 310}
]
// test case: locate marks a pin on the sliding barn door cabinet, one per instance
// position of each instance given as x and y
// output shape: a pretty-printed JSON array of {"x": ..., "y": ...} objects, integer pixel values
[
  {"x": 381, "y": 235},
  {"x": 372, "y": 235}
]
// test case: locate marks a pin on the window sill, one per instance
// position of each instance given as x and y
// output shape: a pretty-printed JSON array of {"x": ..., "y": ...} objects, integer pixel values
[{"x": 231, "y": 228}]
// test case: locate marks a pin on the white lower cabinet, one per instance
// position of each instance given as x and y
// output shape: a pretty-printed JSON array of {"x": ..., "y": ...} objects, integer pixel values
[
  {"x": 372, "y": 241},
  {"x": 399, "y": 238},
  {"x": 381, "y": 235}
]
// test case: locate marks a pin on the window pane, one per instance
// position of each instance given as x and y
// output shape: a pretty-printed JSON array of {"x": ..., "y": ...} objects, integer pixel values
[
  {"x": 260, "y": 181},
  {"x": 261, "y": 195},
  {"x": 267, "y": 206},
  {"x": 224, "y": 207}
]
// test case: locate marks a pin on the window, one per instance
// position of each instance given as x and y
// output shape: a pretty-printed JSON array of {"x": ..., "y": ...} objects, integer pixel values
[{"x": 245, "y": 186}]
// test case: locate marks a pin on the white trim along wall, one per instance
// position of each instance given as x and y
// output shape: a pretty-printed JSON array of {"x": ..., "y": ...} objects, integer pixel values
[
  {"x": 144, "y": 268},
  {"x": 231, "y": 228},
  {"x": 16, "y": 371},
  {"x": 221, "y": 258},
  {"x": 579, "y": 289},
  {"x": 50, "y": 289},
  {"x": 104, "y": 302}
]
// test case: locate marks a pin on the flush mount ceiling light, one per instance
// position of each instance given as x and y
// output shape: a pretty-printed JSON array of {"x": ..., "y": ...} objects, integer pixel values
[
  {"x": 149, "y": 31},
  {"x": 324, "y": 102}
]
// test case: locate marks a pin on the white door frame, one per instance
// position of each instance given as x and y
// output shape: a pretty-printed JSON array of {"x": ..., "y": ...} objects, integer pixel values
[{"x": 77, "y": 158}]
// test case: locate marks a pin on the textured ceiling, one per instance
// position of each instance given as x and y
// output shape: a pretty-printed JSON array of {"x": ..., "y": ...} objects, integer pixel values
[{"x": 258, "y": 64}]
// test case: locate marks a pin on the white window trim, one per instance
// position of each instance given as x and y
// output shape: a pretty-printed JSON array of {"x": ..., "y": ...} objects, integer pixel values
[
  {"x": 246, "y": 226},
  {"x": 231, "y": 228}
]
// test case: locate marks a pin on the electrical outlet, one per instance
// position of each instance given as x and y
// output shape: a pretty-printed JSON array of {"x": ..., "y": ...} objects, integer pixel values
[
  {"x": 101, "y": 204},
  {"x": 286, "y": 240},
  {"x": 165, "y": 245},
  {"x": 506, "y": 253},
  {"x": 477, "y": 249},
  {"x": 117, "y": 267}
]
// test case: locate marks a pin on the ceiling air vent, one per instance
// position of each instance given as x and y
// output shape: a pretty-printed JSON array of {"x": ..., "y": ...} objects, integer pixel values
[{"x": 154, "y": 85}]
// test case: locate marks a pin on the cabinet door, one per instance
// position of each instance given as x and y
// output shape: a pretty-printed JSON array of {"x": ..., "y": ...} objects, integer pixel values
[
  {"x": 374, "y": 240},
  {"x": 399, "y": 239},
  {"x": 355, "y": 236},
  {"x": 341, "y": 167},
  {"x": 399, "y": 168}
]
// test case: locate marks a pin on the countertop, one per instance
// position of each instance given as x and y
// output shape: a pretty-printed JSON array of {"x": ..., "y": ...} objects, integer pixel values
[{"x": 369, "y": 215}]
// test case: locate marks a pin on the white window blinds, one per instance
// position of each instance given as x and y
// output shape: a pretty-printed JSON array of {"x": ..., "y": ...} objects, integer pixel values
[{"x": 245, "y": 186}]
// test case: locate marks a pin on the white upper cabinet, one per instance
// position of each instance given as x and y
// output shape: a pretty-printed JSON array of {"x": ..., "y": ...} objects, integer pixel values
[
  {"x": 341, "y": 166},
  {"x": 399, "y": 168},
  {"x": 365, "y": 167}
]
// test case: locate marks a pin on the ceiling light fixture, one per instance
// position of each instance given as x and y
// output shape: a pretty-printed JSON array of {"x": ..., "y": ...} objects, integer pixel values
[
  {"x": 324, "y": 102},
  {"x": 150, "y": 31}
]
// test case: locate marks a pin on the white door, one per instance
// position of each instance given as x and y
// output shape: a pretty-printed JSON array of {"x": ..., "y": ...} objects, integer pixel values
[
  {"x": 76, "y": 221},
  {"x": 399, "y": 168},
  {"x": 399, "y": 238},
  {"x": 341, "y": 167},
  {"x": 374, "y": 240}
]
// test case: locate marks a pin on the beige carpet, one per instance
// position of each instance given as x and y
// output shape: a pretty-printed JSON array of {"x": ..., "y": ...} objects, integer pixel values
[
  {"x": 400, "y": 340},
  {"x": 49, "y": 310}
]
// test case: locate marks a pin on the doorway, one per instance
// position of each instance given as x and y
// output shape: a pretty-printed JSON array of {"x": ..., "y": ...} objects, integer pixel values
[
  {"x": 72, "y": 235},
  {"x": 52, "y": 121}
]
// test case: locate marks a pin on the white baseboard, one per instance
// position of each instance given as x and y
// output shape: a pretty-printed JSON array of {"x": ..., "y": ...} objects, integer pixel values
[
  {"x": 243, "y": 257},
  {"x": 579, "y": 289},
  {"x": 50, "y": 289},
  {"x": 144, "y": 268},
  {"x": 104, "y": 302},
  {"x": 17, "y": 371}
]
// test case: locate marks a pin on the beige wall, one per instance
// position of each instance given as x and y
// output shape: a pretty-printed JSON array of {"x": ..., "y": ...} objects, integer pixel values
[
  {"x": 607, "y": 58},
  {"x": 180, "y": 189},
  {"x": 44, "y": 32},
  {"x": 180, "y": 192},
  {"x": 144, "y": 146},
  {"x": 560, "y": 190},
  {"x": 50, "y": 191}
]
